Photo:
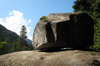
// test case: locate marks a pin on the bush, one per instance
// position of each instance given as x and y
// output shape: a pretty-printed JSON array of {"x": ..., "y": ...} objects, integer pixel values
[
  {"x": 44, "y": 18},
  {"x": 3, "y": 47},
  {"x": 95, "y": 47}
]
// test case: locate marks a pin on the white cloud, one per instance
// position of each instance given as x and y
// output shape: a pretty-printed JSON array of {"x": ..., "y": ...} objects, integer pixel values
[{"x": 14, "y": 21}]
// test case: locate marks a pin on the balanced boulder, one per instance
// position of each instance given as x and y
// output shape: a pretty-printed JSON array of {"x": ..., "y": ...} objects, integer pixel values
[{"x": 64, "y": 30}]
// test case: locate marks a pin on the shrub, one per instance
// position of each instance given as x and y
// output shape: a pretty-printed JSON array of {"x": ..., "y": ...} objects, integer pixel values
[
  {"x": 3, "y": 47},
  {"x": 95, "y": 47},
  {"x": 44, "y": 18}
]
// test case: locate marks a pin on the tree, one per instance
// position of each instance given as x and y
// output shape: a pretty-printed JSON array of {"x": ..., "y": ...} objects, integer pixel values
[
  {"x": 92, "y": 7},
  {"x": 23, "y": 32},
  {"x": 21, "y": 43}
]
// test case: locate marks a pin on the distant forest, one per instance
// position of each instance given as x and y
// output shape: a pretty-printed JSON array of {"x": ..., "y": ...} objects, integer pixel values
[{"x": 11, "y": 42}]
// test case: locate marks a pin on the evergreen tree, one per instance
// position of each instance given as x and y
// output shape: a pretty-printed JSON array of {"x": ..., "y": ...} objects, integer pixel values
[
  {"x": 23, "y": 32},
  {"x": 21, "y": 43}
]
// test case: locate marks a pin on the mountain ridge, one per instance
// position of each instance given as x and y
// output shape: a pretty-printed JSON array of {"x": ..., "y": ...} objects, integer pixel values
[{"x": 7, "y": 34}]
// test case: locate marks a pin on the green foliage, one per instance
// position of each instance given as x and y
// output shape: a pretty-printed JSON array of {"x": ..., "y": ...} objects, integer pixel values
[
  {"x": 92, "y": 7},
  {"x": 3, "y": 47},
  {"x": 96, "y": 47},
  {"x": 44, "y": 18},
  {"x": 21, "y": 44},
  {"x": 83, "y": 5},
  {"x": 2, "y": 44}
]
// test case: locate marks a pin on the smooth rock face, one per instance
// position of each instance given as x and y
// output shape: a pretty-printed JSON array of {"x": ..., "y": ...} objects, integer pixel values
[
  {"x": 70, "y": 30},
  {"x": 62, "y": 58}
]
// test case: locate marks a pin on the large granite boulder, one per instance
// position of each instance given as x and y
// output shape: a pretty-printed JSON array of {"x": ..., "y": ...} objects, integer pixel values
[
  {"x": 64, "y": 30},
  {"x": 63, "y": 58}
]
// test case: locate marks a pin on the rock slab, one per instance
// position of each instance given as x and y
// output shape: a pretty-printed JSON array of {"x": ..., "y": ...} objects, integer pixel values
[{"x": 62, "y": 58}]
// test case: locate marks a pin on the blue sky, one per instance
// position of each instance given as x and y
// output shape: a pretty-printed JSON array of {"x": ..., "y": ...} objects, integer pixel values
[{"x": 15, "y": 13}]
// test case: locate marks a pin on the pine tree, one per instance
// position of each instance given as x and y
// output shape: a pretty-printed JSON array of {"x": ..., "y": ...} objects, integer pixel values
[
  {"x": 23, "y": 32},
  {"x": 21, "y": 43}
]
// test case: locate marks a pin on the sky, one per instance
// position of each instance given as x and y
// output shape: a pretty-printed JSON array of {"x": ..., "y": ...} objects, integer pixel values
[{"x": 15, "y": 13}]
